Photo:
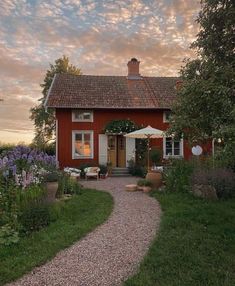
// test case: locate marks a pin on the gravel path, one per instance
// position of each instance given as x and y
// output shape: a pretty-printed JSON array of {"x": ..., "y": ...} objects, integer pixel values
[{"x": 113, "y": 251}]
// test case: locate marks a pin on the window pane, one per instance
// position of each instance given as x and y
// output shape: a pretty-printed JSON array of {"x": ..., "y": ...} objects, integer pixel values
[
  {"x": 168, "y": 151},
  {"x": 87, "y": 149},
  {"x": 86, "y": 115},
  {"x": 176, "y": 144},
  {"x": 87, "y": 144},
  {"x": 111, "y": 142},
  {"x": 79, "y": 150},
  {"x": 168, "y": 143},
  {"x": 168, "y": 146},
  {"x": 87, "y": 136},
  {"x": 82, "y": 115},
  {"x": 177, "y": 148},
  {"x": 167, "y": 115},
  {"x": 78, "y": 115},
  {"x": 176, "y": 152}
]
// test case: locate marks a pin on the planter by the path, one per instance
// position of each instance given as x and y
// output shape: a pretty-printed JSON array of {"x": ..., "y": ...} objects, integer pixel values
[
  {"x": 51, "y": 188},
  {"x": 155, "y": 177},
  {"x": 146, "y": 189}
]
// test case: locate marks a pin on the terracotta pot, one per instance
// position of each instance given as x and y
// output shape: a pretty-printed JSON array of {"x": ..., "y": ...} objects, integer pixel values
[
  {"x": 51, "y": 188},
  {"x": 146, "y": 189},
  {"x": 155, "y": 177}
]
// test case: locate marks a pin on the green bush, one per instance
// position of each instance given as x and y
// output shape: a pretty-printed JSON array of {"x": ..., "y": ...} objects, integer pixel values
[
  {"x": 155, "y": 155},
  {"x": 144, "y": 183},
  {"x": 221, "y": 179},
  {"x": 8, "y": 235},
  {"x": 103, "y": 169},
  {"x": 177, "y": 176},
  {"x": 35, "y": 217},
  {"x": 136, "y": 170},
  {"x": 30, "y": 195},
  {"x": 52, "y": 176},
  {"x": 67, "y": 186},
  {"x": 9, "y": 226}
]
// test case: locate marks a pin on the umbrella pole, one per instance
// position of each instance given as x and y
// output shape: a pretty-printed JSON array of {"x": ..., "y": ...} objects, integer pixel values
[{"x": 148, "y": 151}]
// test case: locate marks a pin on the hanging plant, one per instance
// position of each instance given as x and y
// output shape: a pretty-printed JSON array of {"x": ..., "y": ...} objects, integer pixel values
[{"x": 120, "y": 127}]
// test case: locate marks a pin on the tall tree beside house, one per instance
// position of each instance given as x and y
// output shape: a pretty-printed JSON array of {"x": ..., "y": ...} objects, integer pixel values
[
  {"x": 206, "y": 100},
  {"x": 44, "y": 121}
]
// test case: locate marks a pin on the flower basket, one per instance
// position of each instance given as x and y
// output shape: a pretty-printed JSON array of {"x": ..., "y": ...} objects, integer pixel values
[
  {"x": 51, "y": 188},
  {"x": 51, "y": 183}
]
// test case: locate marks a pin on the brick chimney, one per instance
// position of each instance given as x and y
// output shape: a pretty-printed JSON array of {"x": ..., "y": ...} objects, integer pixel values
[{"x": 133, "y": 69}]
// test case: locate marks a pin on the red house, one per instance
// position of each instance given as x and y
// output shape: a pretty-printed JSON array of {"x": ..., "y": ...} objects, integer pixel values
[{"x": 86, "y": 104}]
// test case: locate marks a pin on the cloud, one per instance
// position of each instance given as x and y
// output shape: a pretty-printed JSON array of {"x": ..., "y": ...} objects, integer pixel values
[{"x": 99, "y": 36}]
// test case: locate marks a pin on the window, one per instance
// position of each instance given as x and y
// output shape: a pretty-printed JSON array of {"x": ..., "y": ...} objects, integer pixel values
[
  {"x": 82, "y": 116},
  {"x": 82, "y": 144},
  {"x": 172, "y": 148},
  {"x": 166, "y": 116}
]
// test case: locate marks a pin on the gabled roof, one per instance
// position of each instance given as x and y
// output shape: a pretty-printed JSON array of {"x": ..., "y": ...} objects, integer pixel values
[{"x": 88, "y": 91}]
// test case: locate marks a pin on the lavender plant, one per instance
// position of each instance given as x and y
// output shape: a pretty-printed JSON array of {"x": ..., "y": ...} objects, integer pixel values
[{"x": 26, "y": 165}]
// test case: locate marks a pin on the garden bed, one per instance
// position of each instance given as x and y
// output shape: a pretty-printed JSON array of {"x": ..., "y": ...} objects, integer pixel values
[{"x": 76, "y": 217}]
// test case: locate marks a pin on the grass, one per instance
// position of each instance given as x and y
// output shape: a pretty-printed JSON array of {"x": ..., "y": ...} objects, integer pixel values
[
  {"x": 195, "y": 245},
  {"x": 78, "y": 216}
]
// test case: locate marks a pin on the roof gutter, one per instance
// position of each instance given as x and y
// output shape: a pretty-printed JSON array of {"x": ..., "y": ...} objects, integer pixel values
[{"x": 48, "y": 93}]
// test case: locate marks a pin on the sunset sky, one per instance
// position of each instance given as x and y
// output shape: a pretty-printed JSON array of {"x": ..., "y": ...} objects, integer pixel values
[{"x": 98, "y": 36}]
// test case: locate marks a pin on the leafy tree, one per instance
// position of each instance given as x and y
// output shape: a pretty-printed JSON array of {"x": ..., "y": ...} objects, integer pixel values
[
  {"x": 44, "y": 121},
  {"x": 206, "y": 100}
]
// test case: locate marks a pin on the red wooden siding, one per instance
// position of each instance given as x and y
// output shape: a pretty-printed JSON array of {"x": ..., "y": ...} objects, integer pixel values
[{"x": 101, "y": 118}]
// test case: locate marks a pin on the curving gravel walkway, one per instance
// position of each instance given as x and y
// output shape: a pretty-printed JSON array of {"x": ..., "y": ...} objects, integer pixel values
[{"x": 113, "y": 251}]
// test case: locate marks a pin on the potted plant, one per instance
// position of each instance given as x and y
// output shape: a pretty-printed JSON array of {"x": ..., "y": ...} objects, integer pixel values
[
  {"x": 155, "y": 156},
  {"x": 155, "y": 174},
  {"x": 103, "y": 171},
  {"x": 144, "y": 185},
  {"x": 51, "y": 183}
]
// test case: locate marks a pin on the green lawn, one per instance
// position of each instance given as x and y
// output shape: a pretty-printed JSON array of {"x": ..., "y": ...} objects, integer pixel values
[
  {"x": 195, "y": 245},
  {"x": 78, "y": 216}
]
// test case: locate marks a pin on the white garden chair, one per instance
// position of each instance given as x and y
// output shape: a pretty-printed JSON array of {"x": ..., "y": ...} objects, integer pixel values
[{"x": 92, "y": 172}]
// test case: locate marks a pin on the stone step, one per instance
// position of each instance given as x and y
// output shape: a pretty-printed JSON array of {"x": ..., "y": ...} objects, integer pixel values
[
  {"x": 120, "y": 175},
  {"x": 120, "y": 171}
]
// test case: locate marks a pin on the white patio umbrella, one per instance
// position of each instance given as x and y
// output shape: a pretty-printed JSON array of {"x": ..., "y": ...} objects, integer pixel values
[{"x": 146, "y": 133}]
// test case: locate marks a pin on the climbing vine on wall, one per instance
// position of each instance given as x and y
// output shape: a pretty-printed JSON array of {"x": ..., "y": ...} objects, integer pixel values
[{"x": 120, "y": 127}]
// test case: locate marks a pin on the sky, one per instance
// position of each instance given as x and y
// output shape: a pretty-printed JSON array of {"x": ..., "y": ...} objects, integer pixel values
[{"x": 98, "y": 36}]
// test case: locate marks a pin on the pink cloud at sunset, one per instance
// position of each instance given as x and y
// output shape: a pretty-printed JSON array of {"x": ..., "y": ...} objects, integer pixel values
[{"x": 98, "y": 36}]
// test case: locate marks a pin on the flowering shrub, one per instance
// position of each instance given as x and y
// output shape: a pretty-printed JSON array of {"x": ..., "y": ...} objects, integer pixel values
[
  {"x": 120, "y": 127},
  {"x": 21, "y": 173},
  {"x": 25, "y": 165}
]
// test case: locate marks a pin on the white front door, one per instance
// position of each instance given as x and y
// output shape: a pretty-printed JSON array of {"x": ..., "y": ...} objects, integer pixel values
[
  {"x": 103, "y": 149},
  {"x": 130, "y": 149}
]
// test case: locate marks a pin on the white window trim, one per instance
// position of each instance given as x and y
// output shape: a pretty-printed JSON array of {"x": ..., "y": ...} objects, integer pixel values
[
  {"x": 82, "y": 120},
  {"x": 173, "y": 156},
  {"x": 74, "y": 132},
  {"x": 165, "y": 120}
]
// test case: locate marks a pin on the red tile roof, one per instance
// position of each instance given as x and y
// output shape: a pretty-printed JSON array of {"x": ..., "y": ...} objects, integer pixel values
[{"x": 88, "y": 91}]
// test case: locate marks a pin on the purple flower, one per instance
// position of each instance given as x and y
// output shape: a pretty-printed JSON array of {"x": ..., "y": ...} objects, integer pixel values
[
  {"x": 5, "y": 161},
  {"x": 14, "y": 170}
]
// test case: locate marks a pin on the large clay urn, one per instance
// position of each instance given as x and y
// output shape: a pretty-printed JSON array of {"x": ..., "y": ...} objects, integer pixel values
[
  {"x": 155, "y": 177},
  {"x": 51, "y": 188}
]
